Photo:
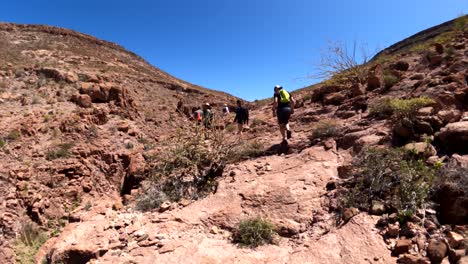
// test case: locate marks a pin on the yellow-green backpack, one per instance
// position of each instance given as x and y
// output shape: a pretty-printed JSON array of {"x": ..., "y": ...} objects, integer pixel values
[{"x": 284, "y": 96}]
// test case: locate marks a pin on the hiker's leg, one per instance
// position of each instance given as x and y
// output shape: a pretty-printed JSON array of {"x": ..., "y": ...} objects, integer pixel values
[
  {"x": 239, "y": 128},
  {"x": 287, "y": 127},
  {"x": 283, "y": 131}
]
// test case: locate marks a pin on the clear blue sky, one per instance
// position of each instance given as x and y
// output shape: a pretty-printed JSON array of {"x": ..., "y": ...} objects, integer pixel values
[{"x": 243, "y": 47}]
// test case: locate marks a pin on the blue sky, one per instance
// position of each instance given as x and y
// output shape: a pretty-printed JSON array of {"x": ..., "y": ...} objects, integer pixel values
[{"x": 243, "y": 47}]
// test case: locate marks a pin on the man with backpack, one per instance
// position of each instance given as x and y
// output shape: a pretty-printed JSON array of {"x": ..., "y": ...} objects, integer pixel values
[
  {"x": 283, "y": 107},
  {"x": 207, "y": 116},
  {"x": 242, "y": 117}
]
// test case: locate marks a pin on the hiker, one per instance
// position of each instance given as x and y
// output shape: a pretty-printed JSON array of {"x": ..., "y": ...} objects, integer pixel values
[
  {"x": 207, "y": 115},
  {"x": 197, "y": 114},
  {"x": 283, "y": 107},
  {"x": 242, "y": 117},
  {"x": 225, "y": 110}
]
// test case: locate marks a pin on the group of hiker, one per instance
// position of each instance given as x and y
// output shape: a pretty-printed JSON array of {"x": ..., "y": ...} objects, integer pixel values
[{"x": 283, "y": 108}]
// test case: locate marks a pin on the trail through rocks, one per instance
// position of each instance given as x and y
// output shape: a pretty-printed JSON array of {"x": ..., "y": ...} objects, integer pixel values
[{"x": 288, "y": 190}]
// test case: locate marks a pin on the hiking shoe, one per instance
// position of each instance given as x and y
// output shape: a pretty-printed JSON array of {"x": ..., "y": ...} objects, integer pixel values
[{"x": 289, "y": 134}]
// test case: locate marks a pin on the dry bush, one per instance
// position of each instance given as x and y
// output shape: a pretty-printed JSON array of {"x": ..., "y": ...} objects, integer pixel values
[
  {"x": 28, "y": 242},
  {"x": 340, "y": 64},
  {"x": 246, "y": 150},
  {"x": 188, "y": 168},
  {"x": 59, "y": 151},
  {"x": 325, "y": 129},
  {"x": 254, "y": 232},
  {"x": 392, "y": 175}
]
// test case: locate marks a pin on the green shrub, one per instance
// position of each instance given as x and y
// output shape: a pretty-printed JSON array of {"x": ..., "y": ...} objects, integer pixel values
[
  {"x": 2, "y": 143},
  {"x": 391, "y": 175},
  {"x": 325, "y": 129},
  {"x": 59, "y": 152},
  {"x": 399, "y": 108},
  {"x": 30, "y": 239},
  {"x": 254, "y": 232},
  {"x": 390, "y": 80},
  {"x": 14, "y": 135}
]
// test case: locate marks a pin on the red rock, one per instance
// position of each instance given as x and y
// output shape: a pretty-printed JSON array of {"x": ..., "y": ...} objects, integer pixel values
[
  {"x": 437, "y": 250},
  {"x": 454, "y": 239},
  {"x": 82, "y": 100},
  {"x": 413, "y": 259},
  {"x": 402, "y": 246}
]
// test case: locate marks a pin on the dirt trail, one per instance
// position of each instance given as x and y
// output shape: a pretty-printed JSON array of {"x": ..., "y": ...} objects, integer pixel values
[{"x": 289, "y": 190}]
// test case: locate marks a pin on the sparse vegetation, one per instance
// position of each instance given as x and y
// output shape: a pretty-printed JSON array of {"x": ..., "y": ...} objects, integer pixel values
[
  {"x": 338, "y": 64},
  {"x": 60, "y": 151},
  {"x": 325, "y": 129},
  {"x": 246, "y": 150},
  {"x": 257, "y": 122},
  {"x": 399, "y": 108},
  {"x": 28, "y": 243},
  {"x": 391, "y": 175},
  {"x": 390, "y": 80},
  {"x": 461, "y": 23},
  {"x": 187, "y": 169},
  {"x": 14, "y": 135},
  {"x": 254, "y": 232}
]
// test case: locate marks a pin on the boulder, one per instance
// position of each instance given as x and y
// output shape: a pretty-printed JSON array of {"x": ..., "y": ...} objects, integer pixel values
[
  {"x": 413, "y": 259},
  {"x": 426, "y": 111},
  {"x": 454, "y": 137},
  {"x": 377, "y": 208},
  {"x": 319, "y": 93},
  {"x": 375, "y": 78},
  {"x": 436, "y": 250},
  {"x": 434, "y": 60},
  {"x": 393, "y": 230},
  {"x": 357, "y": 89},
  {"x": 454, "y": 239},
  {"x": 402, "y": 246},
  {"x": 349, "y": 213},
  {"x": 453, "y": 201},
  {"x": 82, "y": 100},
  {"x": 74, "y": 254},
  {"x": 400, "y": 66},
  {"x": 423, "y": 127},
  {"x": 421, "y": 149},
  {"x": 367, "y": 141},
  {"x": 456, "y": 255},
  {"x": 449, "y": 116},
  {"x": 334, "y": 98}
]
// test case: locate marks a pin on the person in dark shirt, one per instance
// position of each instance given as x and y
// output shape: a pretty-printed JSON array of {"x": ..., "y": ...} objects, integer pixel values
[
  {"x": 242, "y": 117},
  {"x": 283, "y": 108}
]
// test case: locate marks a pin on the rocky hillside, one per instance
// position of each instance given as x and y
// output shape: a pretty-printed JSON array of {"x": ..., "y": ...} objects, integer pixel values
[
  {"x": 75, "y": 115},
  {"x": 98, "y": 167}
]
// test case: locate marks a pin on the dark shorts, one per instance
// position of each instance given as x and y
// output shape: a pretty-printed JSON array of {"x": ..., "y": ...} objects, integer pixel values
[{"x": 283, "y": 114}]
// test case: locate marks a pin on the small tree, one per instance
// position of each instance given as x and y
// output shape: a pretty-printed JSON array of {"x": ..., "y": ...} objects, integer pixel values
[{"x": 339, "y": 63}]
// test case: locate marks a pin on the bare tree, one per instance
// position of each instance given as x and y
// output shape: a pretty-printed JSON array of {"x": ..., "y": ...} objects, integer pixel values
[{"x": 337, "y": 59}]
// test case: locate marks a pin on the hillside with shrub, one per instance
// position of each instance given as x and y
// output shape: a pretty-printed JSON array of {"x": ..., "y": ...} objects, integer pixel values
[{"x": 102, "y": 161}]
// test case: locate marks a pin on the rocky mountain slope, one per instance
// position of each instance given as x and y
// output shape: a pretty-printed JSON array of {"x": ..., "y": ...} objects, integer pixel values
[
  {"x": 84, "y": 138},
  {"x": 75, "y": 114}
]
